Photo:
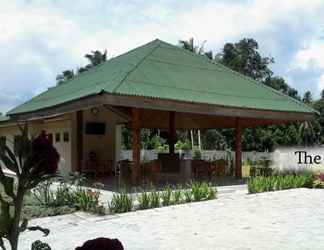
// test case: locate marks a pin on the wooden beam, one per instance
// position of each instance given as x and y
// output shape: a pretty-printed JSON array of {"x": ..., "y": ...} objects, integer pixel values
[
  {"x": 163, "y": 104},
  {"x": 136, "y": 145},
  {"x": 79, "y": 139},
  {"x": 238, "y": 149},
  {"x": 172, "y": 132}
]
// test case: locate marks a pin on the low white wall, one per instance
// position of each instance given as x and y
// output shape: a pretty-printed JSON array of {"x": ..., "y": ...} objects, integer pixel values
[{"x": 206, "y": 155}]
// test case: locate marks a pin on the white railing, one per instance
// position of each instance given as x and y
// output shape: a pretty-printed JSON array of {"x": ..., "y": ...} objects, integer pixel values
[{"x": 149, "y": 155}]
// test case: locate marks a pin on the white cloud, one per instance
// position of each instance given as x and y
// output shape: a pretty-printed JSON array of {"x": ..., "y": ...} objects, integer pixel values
[
  {"x": 310, "y": 55},
  {"x": 321, "y": 82},
  {"x": 42, "y": 38}
]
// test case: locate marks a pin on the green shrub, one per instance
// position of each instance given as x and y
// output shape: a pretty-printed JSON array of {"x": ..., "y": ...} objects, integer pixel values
[
  {"x": 278, "y": 182},
  {"x": 177, "y": 196},
  {"x": 212, "y": 192},
  {"x": 166, "y": 195},
  {"x": 86, "y": 200},
  {"x": 121, "y": 203},
  {"x": 144, "y": 200},
  {"x": 154, "y": 199},
  {"x": 43, "y": 193},
  {"x": 187, "y": 193},
  {"x": 64, "y": 195},
  {"x": 202, "y": 191},
  {"x": 199, "y": 191}
]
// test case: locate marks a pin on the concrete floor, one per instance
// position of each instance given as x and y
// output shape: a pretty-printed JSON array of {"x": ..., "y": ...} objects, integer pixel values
[{"x": 291, "y": 219}]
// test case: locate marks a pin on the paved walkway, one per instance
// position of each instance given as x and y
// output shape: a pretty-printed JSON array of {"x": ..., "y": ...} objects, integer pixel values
[{"x": 292, "y": 219}]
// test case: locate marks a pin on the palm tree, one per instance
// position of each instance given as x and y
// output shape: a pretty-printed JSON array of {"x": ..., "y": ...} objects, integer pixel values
[
  {"x": 197, "y": 49},
  {"x": 96, "y": 57}
]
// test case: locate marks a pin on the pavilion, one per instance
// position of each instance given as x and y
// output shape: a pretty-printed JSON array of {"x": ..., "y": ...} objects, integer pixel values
[{"x": 159, "y": 85}]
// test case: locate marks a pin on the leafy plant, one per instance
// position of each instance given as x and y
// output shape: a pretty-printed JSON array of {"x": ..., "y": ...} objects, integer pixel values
[
  {"x": 212, "y": 192},
  {"x": 166, "y": 195},
  {"x": 202, "y": 191},
  {"x": 187, "y": 195},
  {"x": 121, "y": 203},
  {"x": 33, "y": 161},
  {"x": 279, "y": 182},
  {"x": 144, "y": 200},
  {"x": 43, "y": 193},
  {"x": 154, "y": 198},
  {"x": 86, "y": 200},
  {"x": 177, "y": 195}
]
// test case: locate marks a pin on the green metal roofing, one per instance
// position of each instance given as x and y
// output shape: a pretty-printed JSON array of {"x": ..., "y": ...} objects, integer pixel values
[{"x": 161, "y": 70}]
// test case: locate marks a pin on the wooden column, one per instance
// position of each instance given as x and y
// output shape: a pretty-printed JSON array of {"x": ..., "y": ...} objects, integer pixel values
[
  {"x": 238, "y": 149},
  {"x": 79, "y": 139},
  {"x": 172, "y": 132},
  {"x": 136, "y": 146}
]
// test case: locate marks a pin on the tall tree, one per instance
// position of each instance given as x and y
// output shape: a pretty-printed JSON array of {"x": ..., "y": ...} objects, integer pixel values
[
  {"x": 245, "y": 58},
  {"x": 308, "y": 98},
  {"x": 280, "y": 84}
]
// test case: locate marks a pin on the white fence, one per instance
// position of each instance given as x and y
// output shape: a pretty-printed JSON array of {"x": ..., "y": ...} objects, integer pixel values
[{"x": 148, "y": 155}]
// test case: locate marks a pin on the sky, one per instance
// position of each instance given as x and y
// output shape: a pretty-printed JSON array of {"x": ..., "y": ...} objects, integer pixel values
[{"x": 39, "y": 38}]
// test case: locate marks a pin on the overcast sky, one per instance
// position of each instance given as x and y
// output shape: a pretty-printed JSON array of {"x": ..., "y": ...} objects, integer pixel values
[{"x": 39, "y": 39}]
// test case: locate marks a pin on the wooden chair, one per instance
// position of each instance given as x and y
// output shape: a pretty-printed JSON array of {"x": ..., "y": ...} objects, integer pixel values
[
  {"x": 200, "y": 168},
  {"x": 217, "y": 168},
  {"x": 150, "y": 169},
  {"x": 105, "y": 168}
]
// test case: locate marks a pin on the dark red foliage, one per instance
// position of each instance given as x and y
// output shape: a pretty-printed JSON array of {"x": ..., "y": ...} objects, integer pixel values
[
  {"x": 102, "y": 244},
  {"x": 321, "y": 176},
  {"x": 45, "y": 157}
]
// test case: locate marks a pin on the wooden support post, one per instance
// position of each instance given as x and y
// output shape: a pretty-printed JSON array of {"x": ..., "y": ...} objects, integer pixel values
[
  {"x": 172, "y": 132},
  {"x": 136, "y": 146},
  {"x": 238, "y": 149},
  {"x": 79, "y": 139}
]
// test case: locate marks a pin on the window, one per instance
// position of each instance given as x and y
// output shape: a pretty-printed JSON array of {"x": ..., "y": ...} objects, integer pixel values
[
  {"x": 2, "y": 140},
  {"x": 66, "y": 136},
  {"x": 57, "y": 137}
]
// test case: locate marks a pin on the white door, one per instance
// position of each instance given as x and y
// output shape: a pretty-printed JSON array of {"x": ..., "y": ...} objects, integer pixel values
[{"x": 61, "y": 139}]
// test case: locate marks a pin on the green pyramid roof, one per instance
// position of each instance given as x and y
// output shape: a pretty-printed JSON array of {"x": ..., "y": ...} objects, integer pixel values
[{"x": 161, "y": 70}]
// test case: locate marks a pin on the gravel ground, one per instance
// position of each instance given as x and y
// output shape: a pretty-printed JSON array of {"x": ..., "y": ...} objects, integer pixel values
[{"x": 292, "y": 219}]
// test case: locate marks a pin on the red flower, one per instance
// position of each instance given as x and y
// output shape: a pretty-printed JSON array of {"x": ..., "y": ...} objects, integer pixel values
[
  {"x": 102, "y": 244},
  {"x": 45, "y": 157}
]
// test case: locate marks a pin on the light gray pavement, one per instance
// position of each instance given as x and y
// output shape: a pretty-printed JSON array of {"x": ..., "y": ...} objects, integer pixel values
[{"x": 292, "y": 219}]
